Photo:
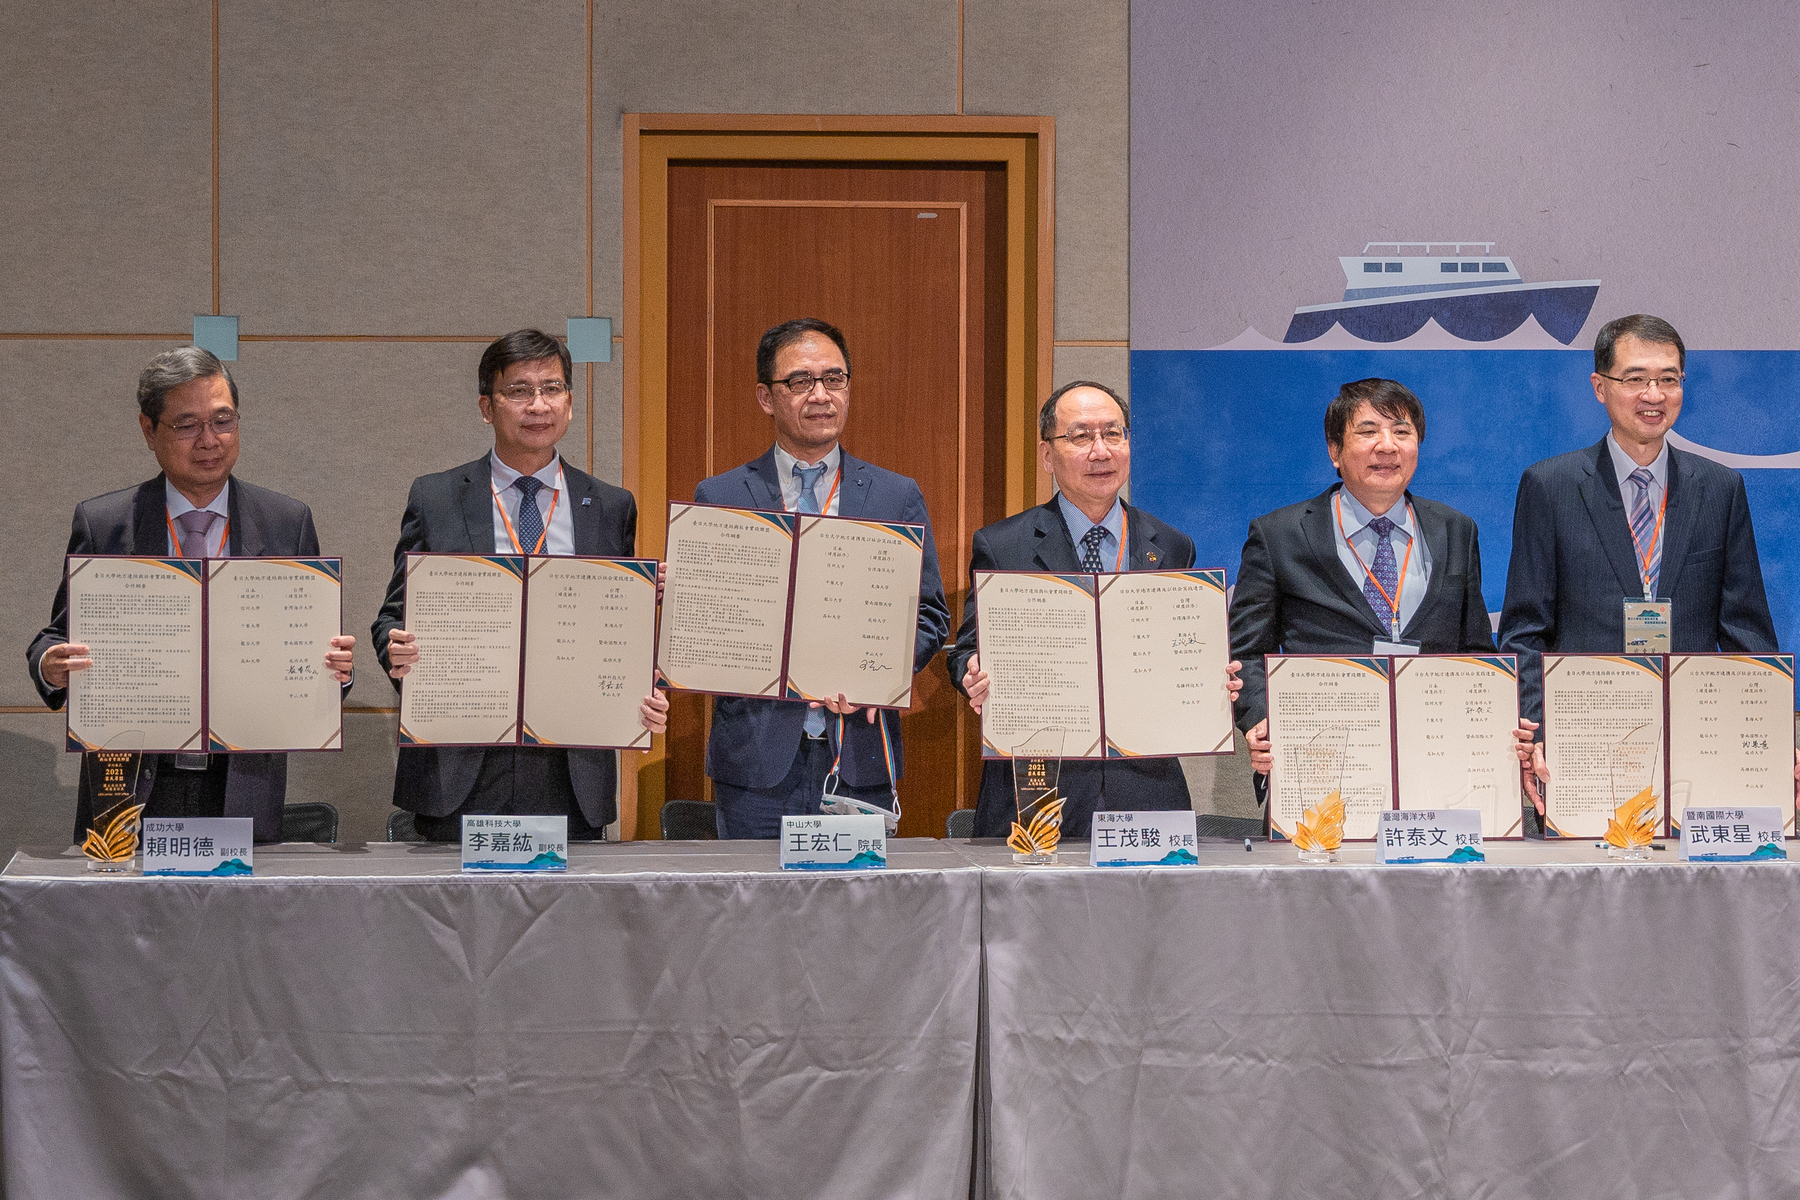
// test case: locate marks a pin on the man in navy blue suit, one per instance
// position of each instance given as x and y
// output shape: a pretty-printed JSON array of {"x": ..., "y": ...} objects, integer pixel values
[
  {"x": 770, "y": 758},
  {"x": 1628, "y": 517},
  {"x": 1084, "y": 442}
]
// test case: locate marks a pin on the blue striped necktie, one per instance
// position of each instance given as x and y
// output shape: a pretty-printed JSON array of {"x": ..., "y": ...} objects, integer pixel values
[
  {"x": 809, "y": 503},
  {"x": 1643, "y": 529}
]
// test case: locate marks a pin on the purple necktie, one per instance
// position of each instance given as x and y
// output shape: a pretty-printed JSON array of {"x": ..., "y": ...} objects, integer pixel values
[
  {"x": 195, "y": 525},
  {"x": 1383, "y": 571}
]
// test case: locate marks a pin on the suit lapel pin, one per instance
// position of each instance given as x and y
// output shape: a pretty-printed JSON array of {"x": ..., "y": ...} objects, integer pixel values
[
  {"x": 1151, "y": 556},
  {"x": 586, "y": 500}
]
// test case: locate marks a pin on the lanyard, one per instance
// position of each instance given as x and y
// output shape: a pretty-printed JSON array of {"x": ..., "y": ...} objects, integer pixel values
[
  {"x": 1124, "y": 538},
  {"x": 555, "y": 495},
  {"x": 175, "y": 538},
  {"x": 1399, "y": 583},
  {"x": 1644, "y": 556},
  {"x": 887, "y": 752},
  {"x": 825, "y": 508}
]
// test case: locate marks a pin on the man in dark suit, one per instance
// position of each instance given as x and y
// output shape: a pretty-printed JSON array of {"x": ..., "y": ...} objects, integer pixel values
[
  {"x": 1629, "y": 517},
  {"x": 1365, "y": 567},
  {"x": 1084, "y": 442},
  {"x": 520, "y": 498},
  {"x": 188, "y": 412},
  {"x": 769, "y": 758}
]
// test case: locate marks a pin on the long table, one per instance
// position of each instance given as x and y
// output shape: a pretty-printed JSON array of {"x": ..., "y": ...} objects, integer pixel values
[
  {"x": 362, "y": 1020},
  {"x": 685, "y": 1020}
]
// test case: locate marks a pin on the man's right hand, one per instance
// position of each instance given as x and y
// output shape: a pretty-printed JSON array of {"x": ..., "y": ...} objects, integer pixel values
[
  {"x": 403, "y": 653},
  {"x": 975, "y": 683},
  {"x": 58, "y": 661},
  {"x": 1261, "y": 756},
  {"x": 1532, "y": 771}
]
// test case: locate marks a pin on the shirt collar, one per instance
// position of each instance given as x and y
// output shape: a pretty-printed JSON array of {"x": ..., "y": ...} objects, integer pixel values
[
  {"x": 179, "y": 503},
  {"x": 784, "y": 462},
  {"x": 1357, "y": 517},
  {"x": 1624, "y": 464},
  {"x": 1079, "y": 524},
  {"x": 505, "y": 476}
]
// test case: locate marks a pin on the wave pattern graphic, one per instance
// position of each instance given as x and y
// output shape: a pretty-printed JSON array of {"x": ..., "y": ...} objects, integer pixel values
[
  {"x": 1430, "y": 336},
  {"x": 1474, "y": 317}
]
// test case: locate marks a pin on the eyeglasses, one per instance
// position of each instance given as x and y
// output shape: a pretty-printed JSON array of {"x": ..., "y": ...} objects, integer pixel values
[
  {"x": 222, "y": 424},
  {"x": 1081, "y": 439},
  {"x": 1637, "y": 384},
  {"x": 799, "y": 384},
  {"x": 522, "y": 393}
]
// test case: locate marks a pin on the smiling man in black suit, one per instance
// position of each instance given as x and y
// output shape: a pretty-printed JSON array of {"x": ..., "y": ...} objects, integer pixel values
[{"x": 1365, "y": 567}]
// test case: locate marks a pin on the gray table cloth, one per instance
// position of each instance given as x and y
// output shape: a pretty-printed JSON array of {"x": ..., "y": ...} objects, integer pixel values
[
  {"x": 1548, "y": 1025},
  {"x": 363, "y": 1021}
]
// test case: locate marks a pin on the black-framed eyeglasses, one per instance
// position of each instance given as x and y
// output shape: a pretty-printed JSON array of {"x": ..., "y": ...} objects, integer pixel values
[
  {"x": 1113, "y": 436},
  {"x": 800, "y": 383},
  {"x": 1638, "y": 384},
  {"x": 223, "y": 424}
]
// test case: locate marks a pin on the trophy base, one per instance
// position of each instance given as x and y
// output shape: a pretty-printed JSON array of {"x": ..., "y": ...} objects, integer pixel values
[
  {"x": 1318, "y": 856},
  {"x": 1048, "y": 856},
  {"x": 123, "y": 867},
  {"x": 1628, "y": 853}
]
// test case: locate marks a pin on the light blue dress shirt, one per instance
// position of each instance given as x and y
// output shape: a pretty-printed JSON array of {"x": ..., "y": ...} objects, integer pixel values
[
  {"x": 1363, "y": 540},
  {"x": 561, "y": 538},
  {"x": 1113, "y": 523},
  {"x": 215, "y": 537}
]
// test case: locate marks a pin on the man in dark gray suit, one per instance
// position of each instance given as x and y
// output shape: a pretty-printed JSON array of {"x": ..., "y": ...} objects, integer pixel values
[
  {"x": 520, "y": 498},
  {"x": 1084, "y": 442},
  {"x": 188, "y": 413},
  {"x": 769, "y": 758},
  {"x": 1365, "y": 567},
  {"x": 1629, "y": 517}
]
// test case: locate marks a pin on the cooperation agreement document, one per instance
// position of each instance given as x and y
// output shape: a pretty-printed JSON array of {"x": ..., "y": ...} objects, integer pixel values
[
  {"x": 1731, "y": 732},
  {"x": 742, "y": 582},
  {"x": 219, "y": 655},
  {"x": 559, "y": 656},
  {"x": 1127, "y": 665},
  {"x": 1603, "y": 738},
  {"x": 1331, "y": 731},
  {"x": 1453, "y": 739}
]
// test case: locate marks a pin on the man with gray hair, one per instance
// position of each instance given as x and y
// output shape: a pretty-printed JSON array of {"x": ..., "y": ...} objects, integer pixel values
[{"x": 194, "y": 508}]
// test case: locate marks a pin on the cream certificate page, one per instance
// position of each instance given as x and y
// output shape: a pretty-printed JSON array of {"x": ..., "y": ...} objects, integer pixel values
[
  {"x": 466, "y": 612},
  {"x": 1163, "y": 649},
  {"x": 1731, "y": 732},
  {"x": 140, "y": 619},
  {"x": 1603, "y": 738},
  {"x": 1453, "y": 723},
  {"x": 1330, "y": 730},
  {"x": 725, "y": 600},
  {"x": 269, "y": 624},
  {"x": 1039, "y": 642},
  {"x": 590, "y": 648},
  {"x": 856, "y": 611}
]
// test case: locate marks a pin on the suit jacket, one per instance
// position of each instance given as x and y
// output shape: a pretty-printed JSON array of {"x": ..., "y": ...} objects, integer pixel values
[
  {"x": 452, "y": 512},
  {"x": 753, "y": 743},
  {"x": 1293, "y": 595},
  {"x": 135, "y": 521},
  {"x": 1573, "y": 564},
  {"x": 1038, "y": 539}
]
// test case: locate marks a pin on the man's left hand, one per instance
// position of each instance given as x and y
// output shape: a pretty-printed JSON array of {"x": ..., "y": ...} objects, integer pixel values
[{"x": 337, "y": 659}]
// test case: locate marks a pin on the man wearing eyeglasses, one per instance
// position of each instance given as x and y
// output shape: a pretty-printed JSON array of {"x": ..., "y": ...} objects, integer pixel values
[
  {"x": 1084, "y": 442},
  {"x": 196, "y": 508},
  {"x": 520, "y": 498},
  {"x": 770, "y": 758},
  {"x": 1629, "y": 519}
]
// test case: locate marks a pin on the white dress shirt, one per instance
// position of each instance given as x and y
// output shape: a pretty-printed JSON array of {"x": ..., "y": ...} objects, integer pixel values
[
  {"x": 790, "y": 482},
  {"x": 179, "y": 504}
]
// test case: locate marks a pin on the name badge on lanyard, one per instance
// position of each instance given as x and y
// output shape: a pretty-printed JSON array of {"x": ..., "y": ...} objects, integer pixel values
[
  {"x": 1648, "y": 618},
  {"x": 1393, "y": 644}
]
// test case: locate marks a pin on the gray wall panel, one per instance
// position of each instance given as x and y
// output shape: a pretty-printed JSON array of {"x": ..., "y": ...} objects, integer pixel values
[
  {"x": 106, "y": 167},
  {"x": 388, "y": 168},
  {"x": 1072, "y": 62},
  {"x": 1110, "y": 365}
]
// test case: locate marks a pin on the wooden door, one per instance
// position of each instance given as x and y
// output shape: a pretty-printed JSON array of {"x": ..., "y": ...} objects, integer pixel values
[{"x": 909, "y": 261}]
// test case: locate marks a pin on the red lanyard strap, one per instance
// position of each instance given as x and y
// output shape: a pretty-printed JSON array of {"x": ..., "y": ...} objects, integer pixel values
[
  {"x": 1400, "y": 582},
  {"x": 175, "y": 538},
  {"x": 1644, "y": 556},
  {"x": 544, "y": 534}
]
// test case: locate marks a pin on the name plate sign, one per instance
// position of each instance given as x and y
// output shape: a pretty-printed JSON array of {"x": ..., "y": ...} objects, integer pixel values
[
  {"x": 1443, "y": 835},
  {"x": 198, "y": 845},
  {"x": 515, "y": 843},
  {"x": 1728, "y": 834},
  {"x": 1143, "y": 839},
  {"x": 829, "y": 842}
]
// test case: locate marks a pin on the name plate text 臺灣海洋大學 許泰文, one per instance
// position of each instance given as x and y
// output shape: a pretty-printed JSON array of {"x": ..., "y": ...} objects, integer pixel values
[
  {"x": 213, "y": 846},
  {"x": 1444, "y": 835}
]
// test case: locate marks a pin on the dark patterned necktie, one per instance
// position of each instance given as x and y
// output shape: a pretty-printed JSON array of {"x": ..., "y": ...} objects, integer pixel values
[
  {"x": 1383, "y": 571},
  {"x": 531, "y": 521},
  {"x": 1090, "y": 549}
]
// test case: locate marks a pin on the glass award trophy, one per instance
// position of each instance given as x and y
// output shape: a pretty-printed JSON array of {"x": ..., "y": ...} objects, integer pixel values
[
  {"x": 1318, "y": 773},
  {"x": 112, "y": 776},
  {"x": 1632, "y": 763},
  {"x": 1037, "y": 762}
]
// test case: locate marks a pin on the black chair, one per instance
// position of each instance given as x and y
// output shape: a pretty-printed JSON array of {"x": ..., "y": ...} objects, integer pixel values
[
  {"x": 1217, "y": 825},
  {"x": 400, "y": 827},
  {"x": 959, "y": 826},
  {"x": 313, "y": 821},
  {"x": 689, "y": 821}
]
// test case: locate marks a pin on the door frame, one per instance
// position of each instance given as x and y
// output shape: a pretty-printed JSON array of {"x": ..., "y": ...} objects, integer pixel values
[{"x": 1027, "y": 145}]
